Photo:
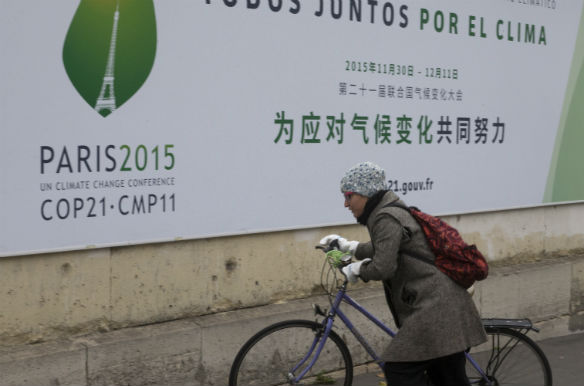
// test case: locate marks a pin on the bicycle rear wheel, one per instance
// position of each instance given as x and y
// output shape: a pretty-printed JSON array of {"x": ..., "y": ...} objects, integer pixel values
[
  {"x": 509, "y": 357},
  {"x": 271, "y": 356}
]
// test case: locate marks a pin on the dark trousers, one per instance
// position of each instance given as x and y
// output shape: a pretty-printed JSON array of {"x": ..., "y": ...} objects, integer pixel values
[{"x": 444, "y": 371}]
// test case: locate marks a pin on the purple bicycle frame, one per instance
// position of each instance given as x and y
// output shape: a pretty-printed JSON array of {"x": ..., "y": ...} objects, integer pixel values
[{"x": 335, "y": 310}]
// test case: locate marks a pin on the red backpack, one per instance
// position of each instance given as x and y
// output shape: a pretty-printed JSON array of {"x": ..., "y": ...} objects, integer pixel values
[{"x": 463, "y": 263}]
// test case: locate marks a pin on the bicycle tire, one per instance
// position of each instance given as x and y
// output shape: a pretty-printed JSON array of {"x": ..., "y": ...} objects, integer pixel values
[
  {"x": 509, "y": 357},
  {"x": 268, "y": 357}
]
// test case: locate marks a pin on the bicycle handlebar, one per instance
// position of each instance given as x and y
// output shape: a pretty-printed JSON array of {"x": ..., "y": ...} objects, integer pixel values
[
  {"x": 332, "y": 246},
  {"x": 338, "y": 261}
]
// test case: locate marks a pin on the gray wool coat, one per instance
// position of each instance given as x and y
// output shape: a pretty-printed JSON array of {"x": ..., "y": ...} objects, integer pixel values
[{"x": 437, "y": 317}]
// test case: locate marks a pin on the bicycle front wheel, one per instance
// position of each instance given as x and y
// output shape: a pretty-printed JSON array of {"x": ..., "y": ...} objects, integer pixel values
[
  {"x": 509, "y": 357},
  {"x": 279, "y": 353}
]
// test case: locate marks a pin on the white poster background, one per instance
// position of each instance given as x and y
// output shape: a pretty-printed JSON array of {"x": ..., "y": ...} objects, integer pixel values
[{"x": 221, "y": 75}]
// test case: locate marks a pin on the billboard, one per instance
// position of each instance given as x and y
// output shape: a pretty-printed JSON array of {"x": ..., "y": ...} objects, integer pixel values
[{"x": 133, "y": 121}]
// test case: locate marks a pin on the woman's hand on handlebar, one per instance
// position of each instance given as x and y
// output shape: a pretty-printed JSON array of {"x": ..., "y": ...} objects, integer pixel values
[
  {"x": 335, "y": 241},
  {"x": 352, "y": 270}
]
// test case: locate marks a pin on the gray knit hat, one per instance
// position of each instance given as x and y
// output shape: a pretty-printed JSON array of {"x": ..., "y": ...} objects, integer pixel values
[{"x": 365, "y": 178}]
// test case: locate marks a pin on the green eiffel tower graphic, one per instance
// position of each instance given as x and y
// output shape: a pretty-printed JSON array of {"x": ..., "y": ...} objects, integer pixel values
[
  {"x": 106, "y": 101},
  {"x": 109, "y": 51}
]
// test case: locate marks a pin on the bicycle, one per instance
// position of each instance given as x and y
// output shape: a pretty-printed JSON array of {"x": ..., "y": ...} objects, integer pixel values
[{"x": 309, "y": 352}]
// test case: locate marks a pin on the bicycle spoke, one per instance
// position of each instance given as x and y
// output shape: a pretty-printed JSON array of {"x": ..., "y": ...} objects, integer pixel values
[
  {"x": 282, "y": 352},
  {"x": 510, "y": 358}
]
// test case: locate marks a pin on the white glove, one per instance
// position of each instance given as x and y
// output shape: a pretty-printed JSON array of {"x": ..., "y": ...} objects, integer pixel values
[
  {"x": 344, "y": 244},
  {"x": 352, "y": 270}
]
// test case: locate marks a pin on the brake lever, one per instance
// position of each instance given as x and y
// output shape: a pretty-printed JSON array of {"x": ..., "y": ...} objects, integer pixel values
[{"x": 332, "y": 246}]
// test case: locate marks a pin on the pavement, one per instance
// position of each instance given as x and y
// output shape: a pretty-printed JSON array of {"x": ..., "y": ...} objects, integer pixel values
[
  {"x": 565, "y": 354},
  {"x": 199, "y": 351}
]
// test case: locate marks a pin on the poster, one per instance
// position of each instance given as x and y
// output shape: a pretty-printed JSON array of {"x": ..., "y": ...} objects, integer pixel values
[{"x": 135, "y": 121}]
